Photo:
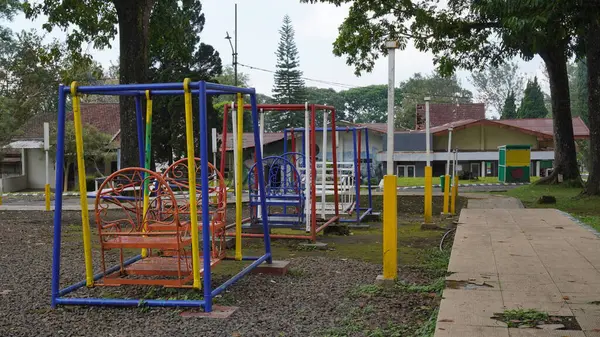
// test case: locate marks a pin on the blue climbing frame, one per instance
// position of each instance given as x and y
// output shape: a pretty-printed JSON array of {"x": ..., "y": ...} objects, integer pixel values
[
  {"x": 202, "y": 90},
  {"x": 361, "y": 212}
]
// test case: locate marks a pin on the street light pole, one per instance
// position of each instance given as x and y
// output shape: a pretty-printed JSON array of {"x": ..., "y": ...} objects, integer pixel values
[
  {"x": 390, "y": 211},
  {"x": 234, "y": 48}
]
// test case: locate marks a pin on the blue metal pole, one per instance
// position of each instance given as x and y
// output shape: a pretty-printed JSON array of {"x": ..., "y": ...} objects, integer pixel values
[
  {"x": 98, "y": 276},
  {"x": 230, "y": 88},
  {"x": 356, "y": 176},
  {"x": 241, "y": 273},
  {"x": 113, "y": 302},
  {"x": 261, "y": 180},
  {"x": 368, "y": 155},
  {"x": 140, "y": 129},
  {"x": 205, "y": 210},
  {"x": 60, "y": 156}
]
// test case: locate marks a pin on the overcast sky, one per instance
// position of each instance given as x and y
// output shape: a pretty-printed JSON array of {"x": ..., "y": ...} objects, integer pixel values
[{"x": 316, "y": 29}]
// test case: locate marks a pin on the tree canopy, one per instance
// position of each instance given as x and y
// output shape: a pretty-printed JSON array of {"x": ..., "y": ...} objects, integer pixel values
[
  {"x": 441, "y": 90},
  {"x": 95, "y": 22},
  {"x": 289, "y": 86},
  {"x": 495, "y": 84},
  {"x": 473, "y": 35},
  {"x": 532, "y": 104},
  {"x": 176, "y": 52},
  {"x": 509, "y": 109}
]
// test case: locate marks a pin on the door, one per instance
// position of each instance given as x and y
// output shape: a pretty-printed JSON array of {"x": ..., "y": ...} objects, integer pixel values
[
  {"x": 475, "y": 169},
  {"x": 400, "y": 170}
]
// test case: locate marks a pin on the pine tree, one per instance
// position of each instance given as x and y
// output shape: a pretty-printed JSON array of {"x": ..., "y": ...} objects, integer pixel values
[
  {"x": 509, "y": 109},
  {"x": 532, "y": 104},
  {"x": 289, "y": 85}
]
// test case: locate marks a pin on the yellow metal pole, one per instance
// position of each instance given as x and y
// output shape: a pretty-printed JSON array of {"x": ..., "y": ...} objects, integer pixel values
[
  {"x": 47, "y": 195},
  {"x": 446, "y": 193},
  {"x": 189, "y": 136},
  {"x": 85, "y": 220},
  {"x": 390, "y": 228},
  {"x": 238, "y": 178},
  {"x": 148, "y": 156},
  {"x": 428, "y": 192},
  {"x": 454, "y": 195}
]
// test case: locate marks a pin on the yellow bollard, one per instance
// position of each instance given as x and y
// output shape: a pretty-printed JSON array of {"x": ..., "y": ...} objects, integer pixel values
[
  {"x": 390, "y": 228},
  {"x": 454, "y": 196},
  {"x": 428, "y": 192},
  {"x": 446, "y": 193},
  {"x": 47, "y": 194}
]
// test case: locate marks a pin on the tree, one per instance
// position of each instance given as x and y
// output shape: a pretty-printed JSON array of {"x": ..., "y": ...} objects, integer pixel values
[
  {"x": 30, "y": 72},
  {"x": 369, "y": 104},
  {"x": 440, "y": 89},
  {"x": 95, "y": 141},
  {"x": 509, "y": 109},
  {"x": 532, "y": 104},
  {"x": 176, "y": 53},
  {"x": 495, "y": 84},
  {"x": 475, "y": 34},
  {"x": 289, "y": 85},
  {"x": 95, "y": 22}
]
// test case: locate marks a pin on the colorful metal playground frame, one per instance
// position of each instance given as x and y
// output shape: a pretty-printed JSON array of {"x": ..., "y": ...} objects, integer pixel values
[
  {"x": 359, "y": 212},
  {"x": 310, "y": 119},
  {"x": 151, "y": 184}
]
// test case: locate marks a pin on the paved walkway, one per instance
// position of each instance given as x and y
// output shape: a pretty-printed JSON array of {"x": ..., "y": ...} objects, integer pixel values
[{"x": 517, "y": 258}]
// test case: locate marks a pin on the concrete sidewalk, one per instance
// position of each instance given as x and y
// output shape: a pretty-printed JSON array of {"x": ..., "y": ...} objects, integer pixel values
[{"x": 520, "y": 259}]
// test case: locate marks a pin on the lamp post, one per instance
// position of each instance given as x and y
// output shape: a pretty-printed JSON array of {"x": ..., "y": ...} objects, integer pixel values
[
  {"x": 390, "y": 211},
  {"x": 428, "y": 170},
  {"x": 233, "y": 48}
]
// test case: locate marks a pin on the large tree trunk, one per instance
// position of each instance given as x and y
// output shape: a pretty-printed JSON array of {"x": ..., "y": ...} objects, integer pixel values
[
  {"x": 565, "y": 157},
  {"x": 134, "y": 20},
  {"x": 593, "y": 76}
]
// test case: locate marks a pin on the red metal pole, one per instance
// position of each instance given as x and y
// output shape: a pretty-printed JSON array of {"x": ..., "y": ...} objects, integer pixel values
[
  {"x": 329, "y": 222},
  {"x": 313, "y": 176},
  {"x": 224, "y": 140},
  {"x": 335, "y": 167}
]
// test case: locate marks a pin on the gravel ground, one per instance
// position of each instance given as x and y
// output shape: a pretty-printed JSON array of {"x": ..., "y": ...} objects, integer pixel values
[{"x": 315, "y": 297}]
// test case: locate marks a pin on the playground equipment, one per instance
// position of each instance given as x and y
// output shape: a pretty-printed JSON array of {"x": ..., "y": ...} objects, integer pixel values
[
  {"x": 295, "y": 180},
  {"x": 161, "y": 215},
  {"x": 349, "y": 173}
]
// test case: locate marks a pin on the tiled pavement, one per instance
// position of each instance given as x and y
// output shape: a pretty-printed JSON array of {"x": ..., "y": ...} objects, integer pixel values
[{"x": 507, "y": 257}]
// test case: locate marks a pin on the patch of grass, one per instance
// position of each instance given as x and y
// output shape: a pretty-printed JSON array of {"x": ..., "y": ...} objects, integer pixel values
[
  {"x": 366, "y": 289},
  {"x": 519, "y": 317},
  {"x": 436, "y": 287},
  {"x": 568, "y": 199},
  {"x": 428, "y": 329},
  {"x": 391, "y": 330}
]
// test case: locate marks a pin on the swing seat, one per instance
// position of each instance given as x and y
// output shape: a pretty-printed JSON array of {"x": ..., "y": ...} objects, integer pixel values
[
  {"x": 124, "y": 221},
  {"x": 284, "y": 192},
  {"x": 176, "y": 176}
]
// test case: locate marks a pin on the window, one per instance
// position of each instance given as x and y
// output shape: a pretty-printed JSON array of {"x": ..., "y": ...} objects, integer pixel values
[{"x": 405, "y": 170}]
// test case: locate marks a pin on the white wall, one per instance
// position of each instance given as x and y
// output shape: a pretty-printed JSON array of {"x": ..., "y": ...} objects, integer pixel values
[
  {"x": 13, "y": 184},
  {"x": 35, "y": 167}
]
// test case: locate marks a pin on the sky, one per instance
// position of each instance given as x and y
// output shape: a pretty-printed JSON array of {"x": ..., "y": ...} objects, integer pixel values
[{"x": 316, "y": 28}]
